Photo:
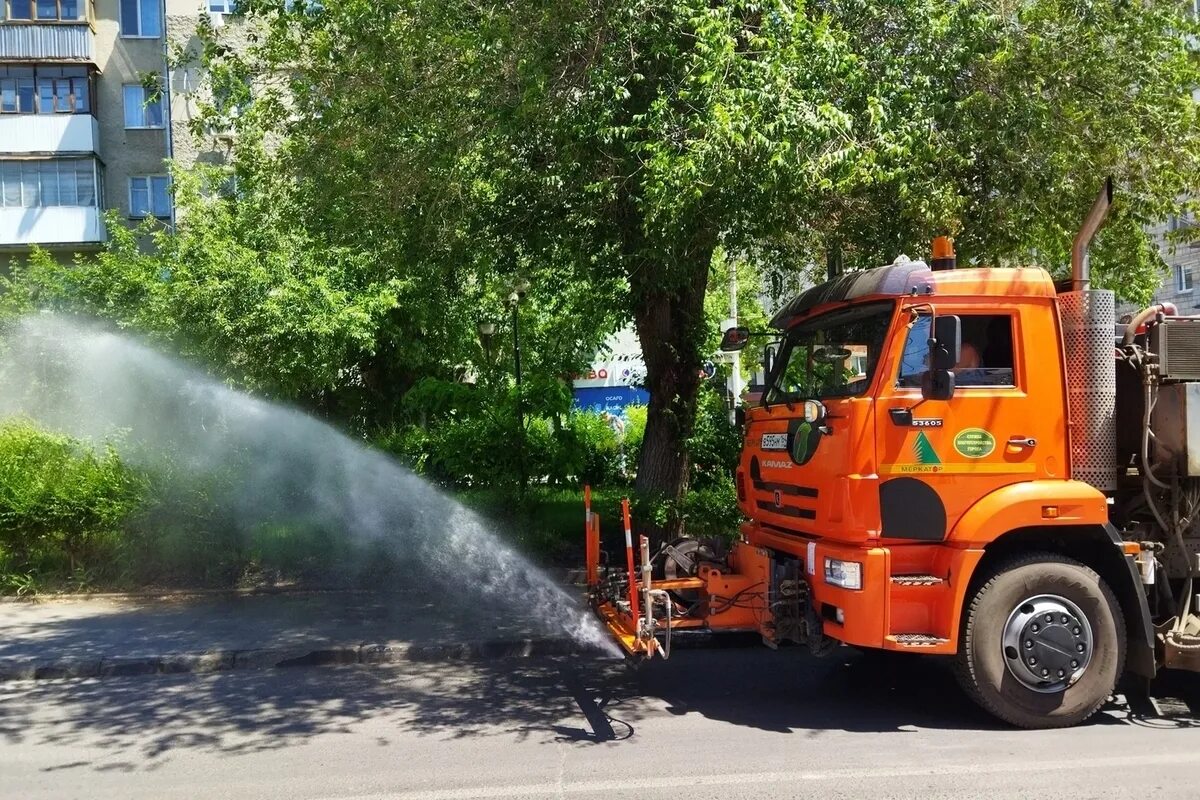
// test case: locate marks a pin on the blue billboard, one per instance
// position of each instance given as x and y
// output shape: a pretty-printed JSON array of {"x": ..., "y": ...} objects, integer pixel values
[{"x": 612, "y": 399}]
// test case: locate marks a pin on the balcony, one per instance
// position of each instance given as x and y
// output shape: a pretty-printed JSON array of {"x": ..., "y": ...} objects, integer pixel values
[
  {"x": 51, "y": 225},
  {"x": 52, "y": 41},
  {"x": 48, "y": 133}
]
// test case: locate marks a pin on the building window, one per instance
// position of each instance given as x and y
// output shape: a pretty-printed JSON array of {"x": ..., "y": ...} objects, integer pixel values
[
  {"x": 1180, "y": 222},
  {"x": 150, "y": 196},
  {"x": 143, "y": 107},
  {"x": 141, "y": 18},
  {"x": 45, "y": 90},
  {"x": 222, "y": 6},
  {"x": 53, "y": 182},
  {"x": 43, "y": 10},
  {"x": 17, "y": 91},
  {"x": 1183, "y": 278},
  {"x": 20, "y": 9}
]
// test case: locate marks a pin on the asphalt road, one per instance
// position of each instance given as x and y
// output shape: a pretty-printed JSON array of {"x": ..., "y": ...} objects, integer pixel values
[{"x": 726, "y": 723}]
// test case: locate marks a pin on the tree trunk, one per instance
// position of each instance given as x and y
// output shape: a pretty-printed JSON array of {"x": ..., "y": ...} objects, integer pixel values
[{"x": 670, "y": 326}]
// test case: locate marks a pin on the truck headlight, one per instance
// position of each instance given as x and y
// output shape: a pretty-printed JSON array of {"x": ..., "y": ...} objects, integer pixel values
[{"x": 846, "y": 574}]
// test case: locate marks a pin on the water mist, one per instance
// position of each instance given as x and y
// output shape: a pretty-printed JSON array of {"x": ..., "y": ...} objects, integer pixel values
[{"x": 279, "y": 465}]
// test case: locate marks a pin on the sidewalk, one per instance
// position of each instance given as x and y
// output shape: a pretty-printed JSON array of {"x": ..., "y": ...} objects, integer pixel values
[{"x": 88, "y": 637}]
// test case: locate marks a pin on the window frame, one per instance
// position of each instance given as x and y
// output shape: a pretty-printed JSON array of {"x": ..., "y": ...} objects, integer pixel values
[
  {"x": 142, "y": 106},
  {"x": 1180, "y": 273},
  {"x": 227, "y": 6},
  {"x": 56, "y": 76},
  {"x": 772, "y": 394},
  {"x": 85, "y": 18},
  {"x": 1014, "y": 328},
  {"x": 139, "y": 35},
  {"x": 37, "y": 165},
  {"x": 149, "y": 182}
]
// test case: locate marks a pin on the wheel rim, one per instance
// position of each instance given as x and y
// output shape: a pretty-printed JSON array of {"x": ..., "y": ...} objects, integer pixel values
[{"x": 1047, "y": 643}]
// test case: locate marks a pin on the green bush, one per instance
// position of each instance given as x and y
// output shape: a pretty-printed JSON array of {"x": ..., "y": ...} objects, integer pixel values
[
  {"x": 182, "y": 535},
  {"x": 408, "y": 443},
  {"x": 712, "y": 510},
  {"x": 62, "y": 504},
  {"x": 635, "y": 431},
  {"x": 597, "y": 449},
  {"x": 715, "y": 442},
  {"x": 481, "y": 449},
  {"x": 466, "y": 437}
]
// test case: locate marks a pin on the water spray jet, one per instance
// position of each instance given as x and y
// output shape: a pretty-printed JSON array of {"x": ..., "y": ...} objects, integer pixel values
[{"x": 280, "y": 466}]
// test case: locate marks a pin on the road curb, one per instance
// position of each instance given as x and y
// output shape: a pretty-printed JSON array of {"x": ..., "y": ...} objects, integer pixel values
[{"x": 367, "y": 653}]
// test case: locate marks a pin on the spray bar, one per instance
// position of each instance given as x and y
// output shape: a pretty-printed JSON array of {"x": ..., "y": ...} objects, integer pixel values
[{"x": 628, "y": 608}]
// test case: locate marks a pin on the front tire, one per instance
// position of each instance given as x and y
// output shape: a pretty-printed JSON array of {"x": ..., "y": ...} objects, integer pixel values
[{"x": 1042, "y": 643}]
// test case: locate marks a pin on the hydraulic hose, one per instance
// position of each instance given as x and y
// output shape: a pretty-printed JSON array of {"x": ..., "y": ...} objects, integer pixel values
[
  {"x": 1138, "y": 321},
  {"x": 666, "y": 598},
  {"x": 1151, "y": 400}
]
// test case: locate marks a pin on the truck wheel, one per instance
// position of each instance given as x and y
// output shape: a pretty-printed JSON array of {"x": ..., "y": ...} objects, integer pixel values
[{"x": 1042, "y": 643}]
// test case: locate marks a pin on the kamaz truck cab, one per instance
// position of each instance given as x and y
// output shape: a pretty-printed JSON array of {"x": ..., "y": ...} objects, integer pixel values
[{"x": 921, "y": 494}]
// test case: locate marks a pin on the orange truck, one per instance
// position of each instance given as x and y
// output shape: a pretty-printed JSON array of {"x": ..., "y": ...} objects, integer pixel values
[{"x": 974, "y": 463}]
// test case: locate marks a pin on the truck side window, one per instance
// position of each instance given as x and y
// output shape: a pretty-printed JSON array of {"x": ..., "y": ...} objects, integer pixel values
[{"x": 986, "y": 358}]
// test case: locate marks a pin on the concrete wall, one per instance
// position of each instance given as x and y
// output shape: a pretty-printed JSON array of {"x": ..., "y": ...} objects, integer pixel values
[{"x": 187, "y": 82}]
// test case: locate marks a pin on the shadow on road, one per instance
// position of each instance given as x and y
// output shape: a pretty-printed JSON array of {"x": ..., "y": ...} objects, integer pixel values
[{"x": 139, "y": 720}]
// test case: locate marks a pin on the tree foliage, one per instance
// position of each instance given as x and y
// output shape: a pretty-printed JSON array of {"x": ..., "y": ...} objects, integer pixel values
[{"x": 609, "y": 147}]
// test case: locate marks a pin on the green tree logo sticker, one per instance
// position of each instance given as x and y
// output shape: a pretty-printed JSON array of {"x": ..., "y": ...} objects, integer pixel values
[
  {"x": 800, "y": 443},
  {"x": 923, "y": 450},
  {"x": 805, "y": 438}
]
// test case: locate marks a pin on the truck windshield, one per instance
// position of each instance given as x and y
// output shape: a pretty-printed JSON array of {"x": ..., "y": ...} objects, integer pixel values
[{"x": 833, "y": 355}]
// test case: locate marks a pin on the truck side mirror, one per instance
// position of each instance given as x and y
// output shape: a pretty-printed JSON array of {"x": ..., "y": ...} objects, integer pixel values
[
  {"x": 735, "y": 339},
  {"x": 945, "y": 349}
]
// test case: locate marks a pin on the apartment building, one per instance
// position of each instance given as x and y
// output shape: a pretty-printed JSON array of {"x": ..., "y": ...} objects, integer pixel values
[
  {"x": 1183, "y": 268},
  {"x": 87, "y": 117}
]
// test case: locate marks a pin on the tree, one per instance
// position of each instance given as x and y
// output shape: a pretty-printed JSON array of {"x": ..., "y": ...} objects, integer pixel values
[{"x": 608, "y": 148}]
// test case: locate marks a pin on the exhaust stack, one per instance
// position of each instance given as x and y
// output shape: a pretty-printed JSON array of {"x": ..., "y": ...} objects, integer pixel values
[
  {"x": 1089, "y": 317},
  {"x": 1081, "y": 279}
]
